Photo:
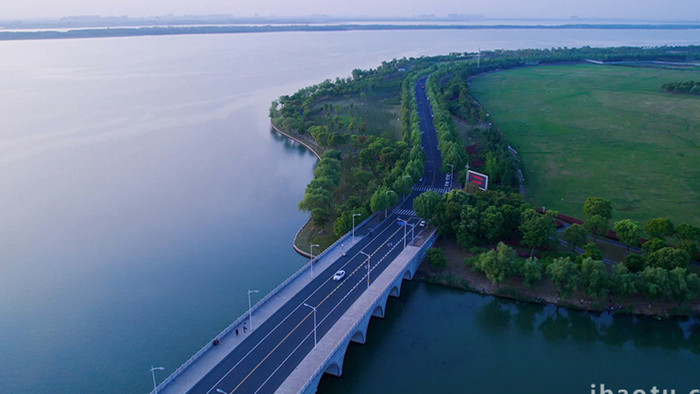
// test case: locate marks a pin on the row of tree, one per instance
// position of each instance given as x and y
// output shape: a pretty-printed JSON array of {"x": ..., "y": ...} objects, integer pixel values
[
  {"x": 591, "y": 276},
  {"x": 491, "y": 216}
]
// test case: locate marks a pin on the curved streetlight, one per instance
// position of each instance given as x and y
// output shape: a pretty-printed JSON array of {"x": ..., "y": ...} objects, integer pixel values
[
  {"x": 311, "y": 248},
  {"x": 221, "y": 391},
  {"x": 353, "y": 225},
  {"x": 250, "y": 315},
  {"x": 368, "y": 263},
  {"x": 315, "y": 341},
  {"x": 404, "y": 224},
  {"x": 153, "y": 375}
]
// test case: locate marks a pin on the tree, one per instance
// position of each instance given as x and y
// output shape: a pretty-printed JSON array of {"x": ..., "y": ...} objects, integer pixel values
[
  {"x": 659, "y": 228},
  {"x": 592, "y": 252},
  {"x": 403, "y": 185},
  {"x": 653, "y": 245},
  {"x": 449, "y": 212},
  {"x": 596, "y": 225},
  {"x": 691, "y": 248},
  {"x": 343, "y": 224},
  {"x": 537, "y": 229},
  {"x": 654, "y": 282},
  {"x": 668, "y": 258},
  {"x": 575, "y": 235},
  {"x": 426, "y": 204},
  {"x": 686, "y": 232},
  {"x": 320, "y": 215},
  {"x": 469, "y": 226},
  {"x": 496, "y": 264},
  {"x": 564, "y": 274},
  {"x": 492, "y": 223},
  {"x": 623, "y": 281},
  {"x": 628, "y": 232},
  {"x": 598, "y": 206},
  {"x": 436, "y": 258},
  {"x": 531, "y": 271},
  {"x": 635, "y": 262},
  {"x": 594, "y": 277},
  {"x": 382, "y": 199},
  {"x": 680, "y": 284}
]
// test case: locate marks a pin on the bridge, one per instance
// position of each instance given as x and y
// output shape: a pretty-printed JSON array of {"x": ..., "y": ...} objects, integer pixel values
[{"x": 302, "y": 329}]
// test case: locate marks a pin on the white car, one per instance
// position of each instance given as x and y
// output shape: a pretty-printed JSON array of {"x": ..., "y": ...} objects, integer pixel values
[{"x": 339, "y": 275}]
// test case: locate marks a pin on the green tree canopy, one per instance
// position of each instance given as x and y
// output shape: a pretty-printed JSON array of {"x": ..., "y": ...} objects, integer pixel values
[
  {"x": 659, "y": 228},
  {"x": 668, "y": 258},
  {"x": 575, "y": 235},
  {"x": 653, "y": 245},
  {"x": 598, "y": 206},
  {"x": 687, "y": 232},
  {"x": 426, "y": 204},
  {"x": 594, "y": 277},
  {"x": 497, "y": 264},
  {"x": 382, "y": 199},
  {"x": 564, "y": 274},
  {"x": 635, "y": 262},
  {"x": 537, "y": 229},
  {"x": 628, "y": 231},
  {"x": 436, "y": 258},
  {"x": 596, "y": 224},
  {"x": 531, "y": 271}
]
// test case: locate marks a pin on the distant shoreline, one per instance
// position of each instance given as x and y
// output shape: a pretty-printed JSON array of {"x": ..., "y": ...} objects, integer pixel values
[{"x": 104, "y": 32}]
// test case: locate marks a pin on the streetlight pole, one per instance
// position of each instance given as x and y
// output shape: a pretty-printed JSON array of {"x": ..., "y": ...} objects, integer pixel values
[
  {"x": 466, "y": 176},
  {"x": 312, "y": 258},
  {"x": 368, "y": 263},
  {"x": 404, "y": 225},
  {"x": 250, "y": 315},
  {"x": 153, "y": 375},
  {"x": 452, "y": 172},
  {"x": 413, "y": 231},
  {"x": 315, "y": 341},
  {"x": 353, "y": 225}
]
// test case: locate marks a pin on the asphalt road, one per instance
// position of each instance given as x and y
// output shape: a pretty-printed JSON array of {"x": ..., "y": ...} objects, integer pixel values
[
  {"x": 269, "y": 354},
  {"x": 433, "y": 163}
]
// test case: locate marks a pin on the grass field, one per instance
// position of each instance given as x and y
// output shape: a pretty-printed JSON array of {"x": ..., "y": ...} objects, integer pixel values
[{"x": 607, "y": 131}]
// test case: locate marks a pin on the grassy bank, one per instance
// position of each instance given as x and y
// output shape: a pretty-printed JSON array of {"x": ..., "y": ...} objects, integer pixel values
[{"x": 607, "y": 131}]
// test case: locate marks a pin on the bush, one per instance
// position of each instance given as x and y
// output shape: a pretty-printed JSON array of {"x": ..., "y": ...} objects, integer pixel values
[{"x": 436, "y": 258}]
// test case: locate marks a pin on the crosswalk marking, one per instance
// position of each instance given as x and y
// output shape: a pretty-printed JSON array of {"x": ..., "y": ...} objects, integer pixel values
[
  {"x": 407, "y": 212},
  {"x": 427, "y": 188}
]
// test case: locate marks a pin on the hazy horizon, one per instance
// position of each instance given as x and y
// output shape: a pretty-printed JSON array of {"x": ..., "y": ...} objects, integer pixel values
[{"x": 646, "y": 10}]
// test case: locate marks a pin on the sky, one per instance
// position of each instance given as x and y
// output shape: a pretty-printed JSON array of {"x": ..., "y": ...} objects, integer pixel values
[{"x": 540, "y": 9}]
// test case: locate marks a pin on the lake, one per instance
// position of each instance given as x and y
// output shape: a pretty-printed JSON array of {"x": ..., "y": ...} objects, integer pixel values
[{"x": 144, "y": 194}]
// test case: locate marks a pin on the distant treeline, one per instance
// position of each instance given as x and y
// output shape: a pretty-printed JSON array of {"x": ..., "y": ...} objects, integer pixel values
[
  {"x": 176, "y": 30},
  {"x": 684, "y": 87}
]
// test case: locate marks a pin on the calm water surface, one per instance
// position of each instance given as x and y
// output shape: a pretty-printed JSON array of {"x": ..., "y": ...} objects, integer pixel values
[{"x": 143, "y": 194}]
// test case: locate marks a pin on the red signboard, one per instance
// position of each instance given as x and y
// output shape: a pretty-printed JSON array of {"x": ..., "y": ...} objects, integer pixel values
[{"x": 481, "y": 180}]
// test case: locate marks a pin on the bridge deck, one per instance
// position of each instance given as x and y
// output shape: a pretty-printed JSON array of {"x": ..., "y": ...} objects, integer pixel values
[{"x": 301, "y": 379}]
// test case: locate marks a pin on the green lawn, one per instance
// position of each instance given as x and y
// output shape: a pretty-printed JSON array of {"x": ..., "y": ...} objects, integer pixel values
[{"x": 607, "y": 131}]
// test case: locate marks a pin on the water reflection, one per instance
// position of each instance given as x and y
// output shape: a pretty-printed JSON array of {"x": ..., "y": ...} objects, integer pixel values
[
  {"x": 444, "y": 340},
  {"x": 289, "y": 144}
]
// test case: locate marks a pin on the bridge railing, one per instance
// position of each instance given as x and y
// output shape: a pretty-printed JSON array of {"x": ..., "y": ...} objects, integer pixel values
[
  {"x": 257, "y": 305},
  {"x": 319, "y": 373}
]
